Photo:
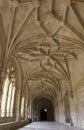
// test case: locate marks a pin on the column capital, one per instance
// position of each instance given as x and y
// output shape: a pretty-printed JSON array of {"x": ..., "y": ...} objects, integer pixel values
[
  {"x": 67, "y": 2},
  {"x": 36, "y": 3},
  {"x": 15, "y": 3}
]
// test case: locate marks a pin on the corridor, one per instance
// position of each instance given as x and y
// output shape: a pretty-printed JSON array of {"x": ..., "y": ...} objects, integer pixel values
[
  {"x": 48, "y": 126},
  {"x": 41, "y": 64}
]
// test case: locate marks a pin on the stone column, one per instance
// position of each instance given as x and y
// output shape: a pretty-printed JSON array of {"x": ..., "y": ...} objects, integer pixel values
[
  {"x": 70, "y": 103},
  {"x": 18, "y": 102},
  {"x": 26, "y": 102},
  {"x": 61, "y": 110},
  {"x": 67, "y": 96},
  {"x": 56, "y": 111},
  {"x": 3, "y": 76}
]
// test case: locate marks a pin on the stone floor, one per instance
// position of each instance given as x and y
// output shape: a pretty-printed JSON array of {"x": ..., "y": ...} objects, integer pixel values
[{"x": 48, "y": 126}]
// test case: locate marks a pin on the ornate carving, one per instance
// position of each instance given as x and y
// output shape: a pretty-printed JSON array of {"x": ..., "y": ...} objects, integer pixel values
[
  {"x": 67, "y": 2},
  {"x": 36, "y": 3},
  {"x": 41, "y": 37},
  {"x": 15, "y": 3}
]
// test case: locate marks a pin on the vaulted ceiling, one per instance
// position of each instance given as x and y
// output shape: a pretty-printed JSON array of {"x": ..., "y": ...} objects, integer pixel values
[{"x": 44, "y": 36}]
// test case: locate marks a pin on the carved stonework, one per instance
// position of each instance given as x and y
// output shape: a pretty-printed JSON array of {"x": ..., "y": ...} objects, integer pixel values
[
  {"x": 36, "y": 3},
  {"x": 46, "y": 37},
  {"x": 15, "y": 3},
  {"x": 67, "y": 2}
]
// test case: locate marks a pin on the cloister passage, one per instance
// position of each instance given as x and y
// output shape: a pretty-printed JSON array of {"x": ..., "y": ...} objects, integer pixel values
[{"x": 41, "y": 64}]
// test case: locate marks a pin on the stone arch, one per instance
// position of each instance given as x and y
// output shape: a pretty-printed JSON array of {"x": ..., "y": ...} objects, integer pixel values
[{"x": 43, "y": 109}]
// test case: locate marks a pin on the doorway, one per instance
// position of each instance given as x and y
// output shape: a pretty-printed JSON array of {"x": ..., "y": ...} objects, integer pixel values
[
  {"x": 43, "y": 115},
  {"x": 44, "y": 110}
]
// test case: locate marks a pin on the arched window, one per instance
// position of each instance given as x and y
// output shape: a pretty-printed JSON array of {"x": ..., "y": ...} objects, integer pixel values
[
  {"x": 8, "y": 93},
  {"x": 22, "y": 106}
]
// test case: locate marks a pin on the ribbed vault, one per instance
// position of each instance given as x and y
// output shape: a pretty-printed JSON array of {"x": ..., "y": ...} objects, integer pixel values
[{"x": 44, "y": 38}]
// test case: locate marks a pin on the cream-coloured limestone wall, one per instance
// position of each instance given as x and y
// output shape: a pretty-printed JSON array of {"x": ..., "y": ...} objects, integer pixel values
[
  {"x": 6, "y": 119},
  {"x": 77, "y": 69},
  {"x": 64, "y": 102},
  {"x": 77, "y": 105},
  {"x": 56, "y": 111},
  {"x": 77, "y": 102},
  {"x": 13, "y": 125},
  {"x": 61, "y": 110}
]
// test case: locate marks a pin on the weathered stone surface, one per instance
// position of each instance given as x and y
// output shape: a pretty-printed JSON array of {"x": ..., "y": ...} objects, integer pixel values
[{"x": 43, "y": 40}]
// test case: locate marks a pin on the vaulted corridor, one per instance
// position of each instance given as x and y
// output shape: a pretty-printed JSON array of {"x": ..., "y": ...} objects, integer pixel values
[
  {"x": 48, "y": 126},
  {"x": 41, "y": 64}
]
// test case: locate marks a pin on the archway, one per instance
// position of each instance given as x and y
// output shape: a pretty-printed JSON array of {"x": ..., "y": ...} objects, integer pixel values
[
  {"x": 43, "y": 114},
  {"x": 43, "y": 110}
]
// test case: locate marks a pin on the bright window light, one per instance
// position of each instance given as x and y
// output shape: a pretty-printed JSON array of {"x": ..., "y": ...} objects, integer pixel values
[
  {"x": 22, "y": 107},
  {"x": 45, "y": 110},
  {"x": 9, "y": 99},
  {"x": 4, "y": 97},
  {"x": 12, "y": 101}
]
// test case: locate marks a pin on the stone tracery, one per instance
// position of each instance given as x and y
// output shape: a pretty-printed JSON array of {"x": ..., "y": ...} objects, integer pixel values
[{"x": 44, "y": 41}]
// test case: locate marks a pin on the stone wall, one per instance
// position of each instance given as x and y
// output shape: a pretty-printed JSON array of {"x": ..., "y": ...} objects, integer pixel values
[
  {"x": 77, "y": 105},
  {"x": 13, "y": 125},
  {"x": 6, "y": 119}
]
